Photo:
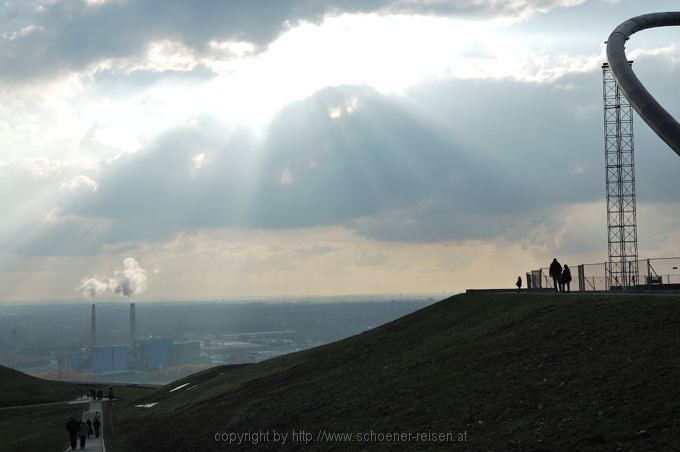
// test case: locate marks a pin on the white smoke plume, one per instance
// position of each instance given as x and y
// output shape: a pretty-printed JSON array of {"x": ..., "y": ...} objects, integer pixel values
[
  {"x": 91, "y": 287},
  {"x": 130, "y": 281}
]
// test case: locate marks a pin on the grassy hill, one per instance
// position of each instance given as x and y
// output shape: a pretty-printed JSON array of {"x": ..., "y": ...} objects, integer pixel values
[
  {"x": 41, "y": 427},
  {"x": 36, "y": 428},
  {"x": 510, "y": 371},
  {"x": 17, "y": 388}
]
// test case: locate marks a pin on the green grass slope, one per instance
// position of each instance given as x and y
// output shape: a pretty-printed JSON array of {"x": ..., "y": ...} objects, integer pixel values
[
  {"x": 41, "y": 428},
  {"x": 17, "y": 388},
  {"x": 512, "y": 371}
]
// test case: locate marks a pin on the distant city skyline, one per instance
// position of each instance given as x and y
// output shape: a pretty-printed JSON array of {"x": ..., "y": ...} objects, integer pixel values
[{"x": 314, "y": 148}]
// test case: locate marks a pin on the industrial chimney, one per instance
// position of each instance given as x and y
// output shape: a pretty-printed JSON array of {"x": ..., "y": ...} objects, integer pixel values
[
  {"x": 133, "y": 327},
  {"x": 93, "y": 328}
]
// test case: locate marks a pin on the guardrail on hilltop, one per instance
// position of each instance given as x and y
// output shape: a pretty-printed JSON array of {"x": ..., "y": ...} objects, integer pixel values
[{"x": 657, "y": 273}]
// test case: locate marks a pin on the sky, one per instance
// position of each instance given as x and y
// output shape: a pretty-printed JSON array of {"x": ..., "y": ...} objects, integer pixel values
[{"x": 165, "y": 149}]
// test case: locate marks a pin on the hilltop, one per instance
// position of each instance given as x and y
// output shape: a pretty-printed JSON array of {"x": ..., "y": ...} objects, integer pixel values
[
  {"x": 510, "y": 371},
  {"x": 17, "y": 388}
]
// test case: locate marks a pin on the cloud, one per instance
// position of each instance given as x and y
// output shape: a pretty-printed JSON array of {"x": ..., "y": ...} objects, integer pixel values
[
  {"x": 159, "y": 35},
  {"x": 286, "y": 178},
  {"x": 81, "y": 182},
  {"x": 199, "y": 161},
  {"x": 43, "y": 168},
  {"x": 38, "y": 167},
  {"x": 384, "y": 171},
  {"x": 450, "y": 160},
  {"x": 372, "y": 259}
]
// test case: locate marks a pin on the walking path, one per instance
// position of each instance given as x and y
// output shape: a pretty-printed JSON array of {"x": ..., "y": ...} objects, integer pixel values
[{"x": 94, "y": 444}]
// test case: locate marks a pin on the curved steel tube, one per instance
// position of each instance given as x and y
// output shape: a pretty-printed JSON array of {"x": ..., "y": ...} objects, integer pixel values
[{"x": 665, "y": 126}]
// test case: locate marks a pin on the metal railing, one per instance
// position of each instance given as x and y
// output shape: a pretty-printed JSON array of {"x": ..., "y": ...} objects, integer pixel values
[{"x": 653, "y": 273}]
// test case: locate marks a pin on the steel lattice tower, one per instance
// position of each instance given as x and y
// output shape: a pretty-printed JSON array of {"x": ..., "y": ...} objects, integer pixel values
[{"x": 622, "y": 269}]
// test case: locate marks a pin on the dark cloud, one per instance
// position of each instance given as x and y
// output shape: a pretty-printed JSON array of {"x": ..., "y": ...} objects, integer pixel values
[
  {"x": 312, "y": 169},
  {"x": 70, "y": 35},
  {"x": 379, "y": 160},
  {"x": 446, "y": 161}
]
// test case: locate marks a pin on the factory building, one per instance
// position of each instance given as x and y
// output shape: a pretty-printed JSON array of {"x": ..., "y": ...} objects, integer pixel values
[
  {"x": 146, "y": 354},
  {"x": 109, "y": 358},
  {"x": 157, "y": 353},
  {"x": 188, "y": 352},
  {"x": 120, "y": 357},
  {"x": 74, "y": 361}
]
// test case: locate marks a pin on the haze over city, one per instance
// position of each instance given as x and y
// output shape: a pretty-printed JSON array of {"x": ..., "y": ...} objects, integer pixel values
[{"x": 322, "y": 148}]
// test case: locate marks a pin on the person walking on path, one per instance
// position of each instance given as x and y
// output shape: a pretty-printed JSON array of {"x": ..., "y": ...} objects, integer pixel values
[
  {"x": 89, "y": 428},
  {"x": 72, "y": 427},
  {"x": 96, "y": 424},
  {"x": 83, "y": 429},
  {"x": 519, "y": 284},
  {"x": 556, "y": 273},
  {"x": 566, "y": 277},
  {"x": 94, "y": 414}
]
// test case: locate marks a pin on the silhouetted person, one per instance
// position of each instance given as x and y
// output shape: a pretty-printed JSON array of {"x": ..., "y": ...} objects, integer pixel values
[
  {"x": 72, "y": 428},
  {"x": 82, "y": 433},
  {"x": 89, "y": 428},
  {"x": 566, "y": 277},
  {"x": 110, "y": 392},
  {"x": 97, "y": 425},
  {"x": 556, "y": 274},
  {"x": 519, "y": 284},
  {"x": 100, "y": 394}
]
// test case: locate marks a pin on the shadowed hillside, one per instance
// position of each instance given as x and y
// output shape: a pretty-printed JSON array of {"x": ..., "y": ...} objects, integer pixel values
[
  {"x": 512, "y": 371},
  {"x": 17, "y": 388},
  {"x": 26, "y": 425}
]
